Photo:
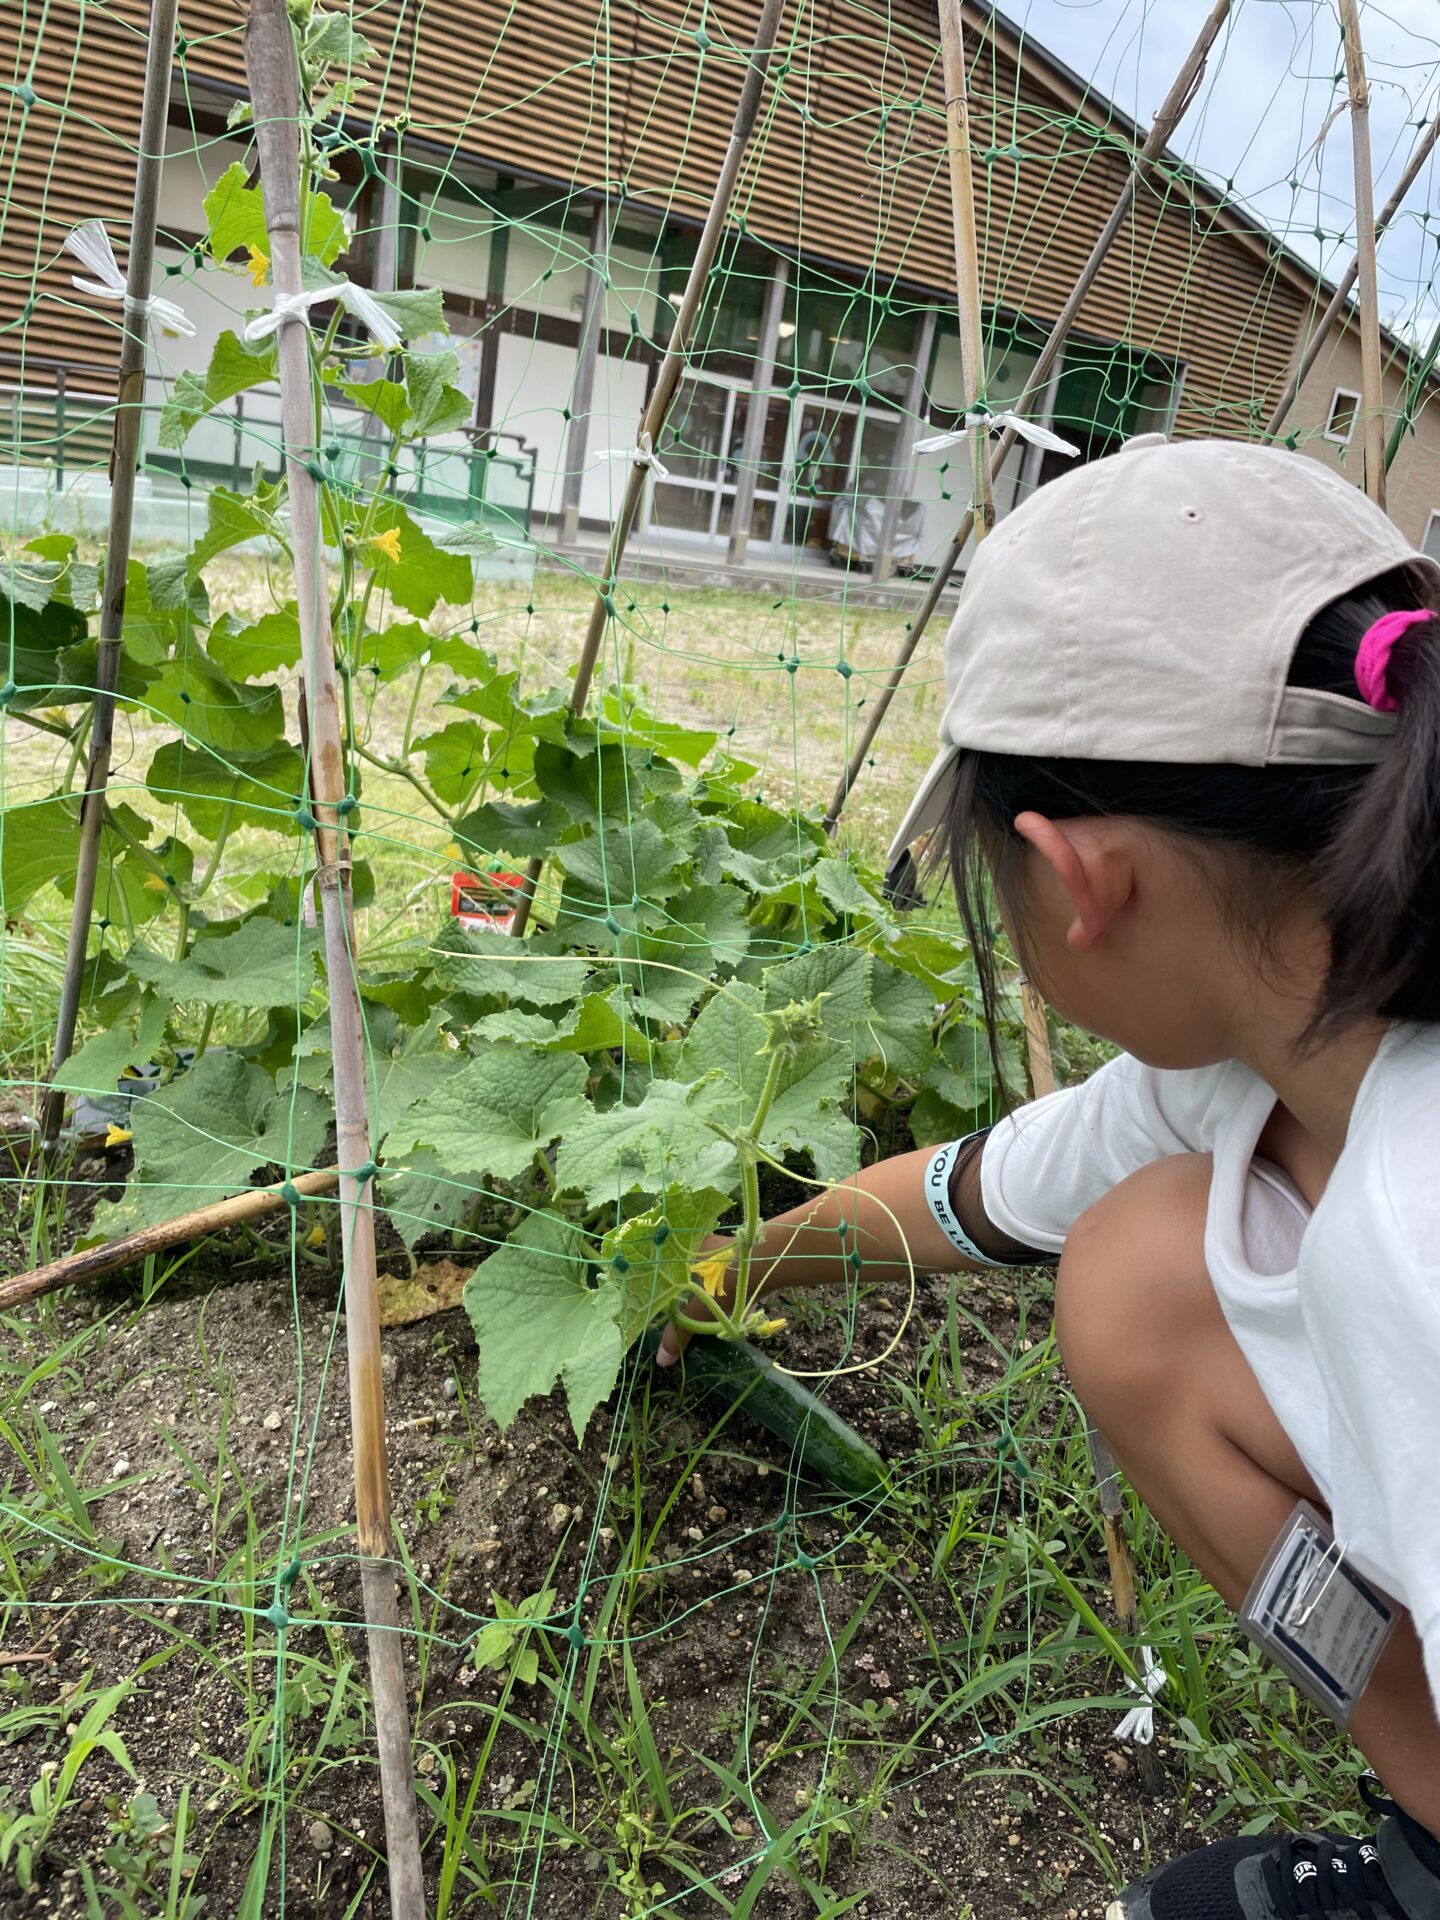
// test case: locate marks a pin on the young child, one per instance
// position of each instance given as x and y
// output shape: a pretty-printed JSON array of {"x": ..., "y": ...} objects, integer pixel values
[{"x": 1192, "y": 742}]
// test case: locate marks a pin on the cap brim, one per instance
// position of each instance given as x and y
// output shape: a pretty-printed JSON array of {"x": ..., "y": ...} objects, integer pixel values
[{"x": 929, "y": 807}]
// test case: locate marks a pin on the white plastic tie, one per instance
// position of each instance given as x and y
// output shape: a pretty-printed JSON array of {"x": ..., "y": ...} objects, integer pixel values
[
  {"x": 1139, "y": 1723},
  {"x": 642, "y": 456},
  {"x": 90, "y": 244},
  {"x": 1015, "y": 423},
  {"x": 356, "y": 300}
]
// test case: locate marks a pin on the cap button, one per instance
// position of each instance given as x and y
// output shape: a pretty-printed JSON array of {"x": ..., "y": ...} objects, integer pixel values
[{"x": 1144, "y": 440}]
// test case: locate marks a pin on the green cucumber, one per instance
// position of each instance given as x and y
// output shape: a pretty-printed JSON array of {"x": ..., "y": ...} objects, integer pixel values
[{"x": 743, "y": 1376}]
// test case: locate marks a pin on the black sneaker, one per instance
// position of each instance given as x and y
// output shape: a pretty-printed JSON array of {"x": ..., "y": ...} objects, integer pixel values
[{"x": 1299, "y": 1876}]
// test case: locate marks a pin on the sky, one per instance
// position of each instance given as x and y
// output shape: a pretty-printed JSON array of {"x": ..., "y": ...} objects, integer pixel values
[{"x": 1260, "y": 117}]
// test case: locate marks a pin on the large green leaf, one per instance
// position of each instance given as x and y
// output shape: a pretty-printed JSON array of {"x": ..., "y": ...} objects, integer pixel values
[
  {"x": 39, "y": 840},
  {"x": 423, "y": 576},
  {"x": 654, "y": 1252},
  {"x": 436, "y": 404},
  {"x": 454, "y": 759},
  {"x": 500, "y": 827},
  {"x": 234, "y": 519},
  {"x": 258, "y": 963},
  {"x": 265, "y": 645},
  {"x": 622, "y": 863},
  {"x": 537, "y": 1319},
  {"x": 668, "y": 1137},
  {"x": 496, "y": 1113},
  {"x": 215, "y": 711},
  {"x": 204, "y": 1135},
  {"x": 426, "y": 1197},
  {"x": 235, "y": 366},
  {"x": 96, "y": 1067},
  {"x": 235, "y": 220},
  {"x": 808, "y": 1112},
  {"x": 234, "y": 214},
  {"x": 31, "y": 641},
  {"x": 259, "y": 790},
  {"x": 492, "y": 966}
]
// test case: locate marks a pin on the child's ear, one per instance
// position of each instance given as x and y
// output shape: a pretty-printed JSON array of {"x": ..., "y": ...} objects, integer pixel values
[{"x": 1093, "y": 866}]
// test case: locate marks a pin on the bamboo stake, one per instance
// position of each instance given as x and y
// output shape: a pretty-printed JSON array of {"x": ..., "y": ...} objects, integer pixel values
[
  {"x": 270, "y": 60},
  {"x": 89, "y": 1264},
  {"x": 1339, "y": 299},
  {"x": 972, "y": 354},
  {"x": 124, "y": 460},
  {"x": 657, "y": 408},
  {"x": 1172, "y": 110},
  {"x": 1372, "y": 391}
]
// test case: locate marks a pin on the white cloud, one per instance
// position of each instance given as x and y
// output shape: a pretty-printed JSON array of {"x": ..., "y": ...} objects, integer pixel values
[{"x": 1273, "y": 81}]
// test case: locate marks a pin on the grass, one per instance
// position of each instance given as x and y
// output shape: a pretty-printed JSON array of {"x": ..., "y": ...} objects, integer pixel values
[{"x": 871, "y": 1676}]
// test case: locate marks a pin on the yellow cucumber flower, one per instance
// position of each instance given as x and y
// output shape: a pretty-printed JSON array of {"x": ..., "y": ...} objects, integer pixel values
[
  {"x": 258, "y": 266},
  {"x": 388, "y": 543},
  {"x": 712, "y": 1273}
]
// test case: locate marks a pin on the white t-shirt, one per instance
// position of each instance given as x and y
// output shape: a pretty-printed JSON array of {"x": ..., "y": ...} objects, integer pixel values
[{"x": 1337, "y": 1311}]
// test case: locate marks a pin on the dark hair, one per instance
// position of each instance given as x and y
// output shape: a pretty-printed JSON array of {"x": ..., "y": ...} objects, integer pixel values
[{"x": 1365, "y": 839}]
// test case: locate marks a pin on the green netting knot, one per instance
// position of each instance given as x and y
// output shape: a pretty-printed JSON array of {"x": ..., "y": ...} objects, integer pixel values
[
  {"x": 316, "y": 472},
  {"x": 844, "y": 669},
  {"x": 26, "y": 94},
  {"x": 185, "y": 481},
  {"x": 702, "y": 40},
  {"x": 620, "y": 1264},
  {"x": 1292, "y": 441},
  {"x": 8, "y": 693},
  {"x": 806, "y": 1562},
  {"x": 370, "y": 163},
  {"x": 290, "y": 1194},
  {"x": 184, "y": 698},
  {"x": 169, "y": 879},
  {"x": 664, "y": 606},
  {"x": 792, "y": 666},
  {"x": 103, "y": 924},
  {"x": 303, "y": 817},
  {"x": 278, "y": 1618},
  {"x": 365, "y": 1173},
  {"x": 289, "y": 1576},
  {"x": 856, "y": 1258},
  {"x": 662, "y": 1233},
  {"x": 794, "y": 390},
  {"x": 574, "y": 1636},
  {"x": 182, "y": 46},
  {"x": 346, "y": 805},
  {"x": 333, "y": 451},
  {"x": 865, "y": 390},
  {"x": 607, "y": 600},
  {"x": 612, "y": 925}
]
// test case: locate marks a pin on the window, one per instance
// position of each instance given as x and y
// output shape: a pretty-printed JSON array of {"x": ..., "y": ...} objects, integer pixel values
[
  {"x": 1431, "y": 543},
  {"x": 1344, "y": 411}
]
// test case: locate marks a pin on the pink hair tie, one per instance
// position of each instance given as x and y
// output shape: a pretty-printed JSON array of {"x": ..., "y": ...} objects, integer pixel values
[{"x": 1372, "y": 658}]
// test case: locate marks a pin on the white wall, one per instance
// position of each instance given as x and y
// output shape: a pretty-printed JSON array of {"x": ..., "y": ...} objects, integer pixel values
[
  {"x": 457, "y": 255},
  {"x": 532, "y": 252},
  {"x": 533, "y": 382}
]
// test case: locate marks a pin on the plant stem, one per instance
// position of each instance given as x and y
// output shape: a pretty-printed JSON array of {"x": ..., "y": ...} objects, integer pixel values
[
  {"x": 410, "y": 715},
  {"x": 406, "y": 773},
  {"x": 205, "y": 1025},
  {"x": 746, "y": 1143}
]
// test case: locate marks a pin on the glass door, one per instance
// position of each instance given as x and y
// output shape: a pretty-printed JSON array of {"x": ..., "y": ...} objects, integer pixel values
[{"x": 695, "y": 448}]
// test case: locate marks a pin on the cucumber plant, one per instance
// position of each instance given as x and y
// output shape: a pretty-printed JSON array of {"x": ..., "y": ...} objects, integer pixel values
[{"x": 710, "y": 987}]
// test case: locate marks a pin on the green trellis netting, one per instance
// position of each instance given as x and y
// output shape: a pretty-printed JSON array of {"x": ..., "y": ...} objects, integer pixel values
[{"x": 654, "y": 1662}]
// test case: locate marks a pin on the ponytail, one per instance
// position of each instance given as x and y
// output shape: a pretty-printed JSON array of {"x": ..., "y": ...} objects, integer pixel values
[{"x": 1380, "y": 874}]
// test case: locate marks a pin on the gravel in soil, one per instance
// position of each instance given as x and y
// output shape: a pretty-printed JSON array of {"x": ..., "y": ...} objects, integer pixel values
[{"x": 217, "y": 1420}]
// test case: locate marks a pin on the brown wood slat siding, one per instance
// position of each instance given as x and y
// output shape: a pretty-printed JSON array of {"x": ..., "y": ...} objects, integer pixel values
[
  {"x": 847, "y": 167},
  {"x": 69, "y": 157}
]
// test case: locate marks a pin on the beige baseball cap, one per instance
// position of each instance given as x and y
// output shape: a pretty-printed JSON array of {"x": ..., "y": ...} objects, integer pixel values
[{"x": 1147, "y": 606}]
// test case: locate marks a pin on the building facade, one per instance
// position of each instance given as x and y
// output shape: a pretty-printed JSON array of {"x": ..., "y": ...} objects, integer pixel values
[{"x": 548, "y": 167}]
